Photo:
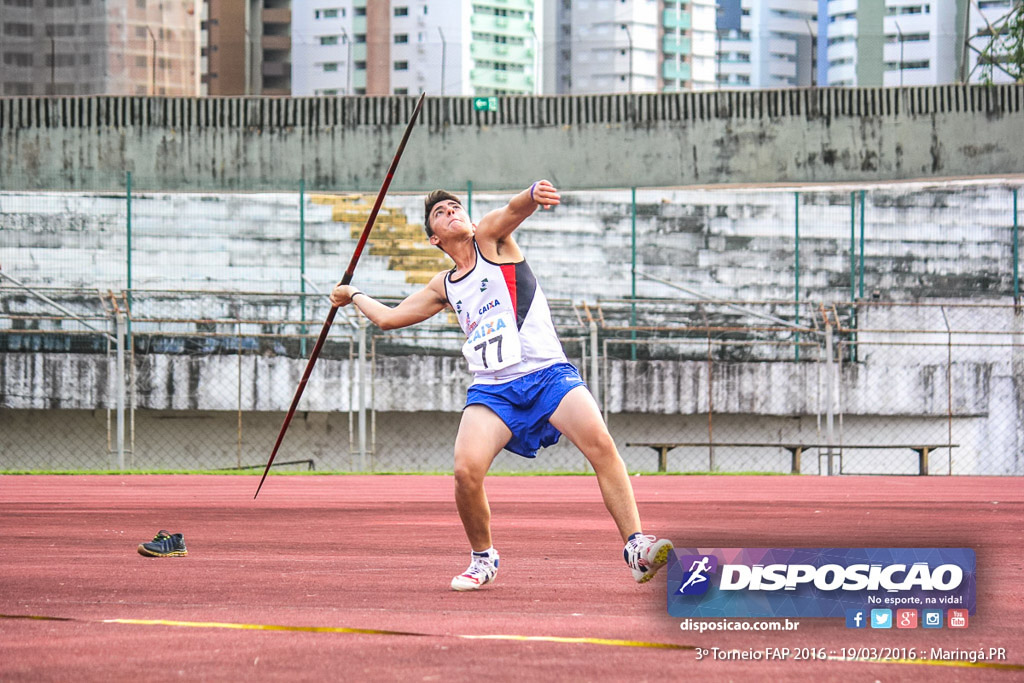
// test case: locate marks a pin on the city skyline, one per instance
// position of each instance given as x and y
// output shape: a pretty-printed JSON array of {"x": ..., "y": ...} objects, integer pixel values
[{"x": 486, "y": 47}]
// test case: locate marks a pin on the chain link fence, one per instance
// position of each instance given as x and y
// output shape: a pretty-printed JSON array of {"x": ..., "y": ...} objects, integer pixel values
[{"x": 866, "y": 330}]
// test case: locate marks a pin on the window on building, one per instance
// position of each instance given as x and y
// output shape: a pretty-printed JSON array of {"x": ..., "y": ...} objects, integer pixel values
[
  {"x": 17, "y": 59},
  {"x": 18, "y": 29},
  {"x": 61, "y": 59},
  {"x": 330, "y": 66},
  {"x": 17, "y": 3},
  {"x": 328, "y": 40},
  {"x": 359, "y": 11},
  {"x": 141, "y": 61},
  {"x": 401, "y": 11},
  {"x": 141, "y": 4},
  {"x": 60, "y": 30},
  {"x": 360, "y": 91},
  {"x": 401, "y": 38},
  {"x": 330, "y": 14},
  {"x": 359, "y": 65},
  {"x": 328, "y": 92},
  {"x": 907, "y": 9},
  {"x": 401, "y": 91},
  {"x": 360, "y": 38},
  {"x": 907, "y": 38},
  {"x": 401, "y": 66}
]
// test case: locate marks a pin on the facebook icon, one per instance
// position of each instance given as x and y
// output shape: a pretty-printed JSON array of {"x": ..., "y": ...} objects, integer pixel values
[{"x": 856, "y": 618}]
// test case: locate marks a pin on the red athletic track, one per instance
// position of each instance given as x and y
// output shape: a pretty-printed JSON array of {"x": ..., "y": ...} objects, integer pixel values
[{"x": 378, "y": 552}]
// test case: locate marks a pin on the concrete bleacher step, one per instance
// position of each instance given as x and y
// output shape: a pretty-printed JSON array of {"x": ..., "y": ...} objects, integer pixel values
[
  {"x": 420, "y": 263},
  {"x": 394, "y": 237},
  {"x": 420, "y": 277}
]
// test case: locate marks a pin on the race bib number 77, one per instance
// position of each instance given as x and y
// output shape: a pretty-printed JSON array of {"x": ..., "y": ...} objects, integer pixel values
[{"x": 493, "y": 344}]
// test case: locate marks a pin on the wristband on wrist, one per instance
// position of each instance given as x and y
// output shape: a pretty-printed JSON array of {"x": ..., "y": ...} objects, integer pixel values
[
  {"x": 531, "y": 192},
  {"x": 358, "y": 291}
]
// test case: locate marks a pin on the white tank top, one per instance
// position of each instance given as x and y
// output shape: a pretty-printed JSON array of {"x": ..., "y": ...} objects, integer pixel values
[{"x": 506, "y": 318}]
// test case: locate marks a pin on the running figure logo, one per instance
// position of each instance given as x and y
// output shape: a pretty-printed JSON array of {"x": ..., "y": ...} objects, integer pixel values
[{"x": 695, "y": 580}]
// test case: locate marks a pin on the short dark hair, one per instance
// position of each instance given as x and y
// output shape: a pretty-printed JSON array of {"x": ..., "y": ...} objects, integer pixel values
[{"x": 428, "y": 205}]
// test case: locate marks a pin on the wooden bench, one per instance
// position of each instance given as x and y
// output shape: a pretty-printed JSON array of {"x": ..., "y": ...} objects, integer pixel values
[{"x": 795, "y": 449}]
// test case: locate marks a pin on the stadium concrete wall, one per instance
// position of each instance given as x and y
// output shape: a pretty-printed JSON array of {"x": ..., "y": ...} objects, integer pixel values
[
  {"x": 904, "y": 401},
  {"x": 599, "y": 141}
]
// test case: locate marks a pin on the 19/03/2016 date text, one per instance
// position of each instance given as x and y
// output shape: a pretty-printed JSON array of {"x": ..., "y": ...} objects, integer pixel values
[
  {"x": 807, "y": 653},
  {"x": 874, "y": 654}
]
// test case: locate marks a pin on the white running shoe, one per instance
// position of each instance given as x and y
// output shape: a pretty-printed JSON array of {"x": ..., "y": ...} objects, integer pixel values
[
  {"x": 482, "y": 570},
  {"x": 645, "y": 555}
]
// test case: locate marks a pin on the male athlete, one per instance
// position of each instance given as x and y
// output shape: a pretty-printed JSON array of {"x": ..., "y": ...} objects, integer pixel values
[{"x": 525, "y": 393}]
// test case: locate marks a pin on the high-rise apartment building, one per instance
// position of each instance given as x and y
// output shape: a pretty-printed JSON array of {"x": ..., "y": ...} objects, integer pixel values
[
  {"x": 454, "y": 47},
  {"x": 595, "y": 46},
  {"x": 92, "y": 47},
  {"x": 908, "y": 42},
  {"x": 247, "y": 47},
  {"x": 767, "y": 43},
  {"x": 920, "y": 42}
]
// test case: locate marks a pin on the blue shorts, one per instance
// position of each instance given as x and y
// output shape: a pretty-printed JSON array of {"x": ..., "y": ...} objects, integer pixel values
[{"x": 526, "y": 404}]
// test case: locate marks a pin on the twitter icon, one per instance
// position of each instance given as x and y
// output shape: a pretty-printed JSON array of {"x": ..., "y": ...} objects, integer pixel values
[{"x": 881, "y": 618}]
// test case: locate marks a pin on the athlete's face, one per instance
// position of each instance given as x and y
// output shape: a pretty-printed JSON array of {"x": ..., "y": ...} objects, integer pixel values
[{"x": 449, "y": 219}]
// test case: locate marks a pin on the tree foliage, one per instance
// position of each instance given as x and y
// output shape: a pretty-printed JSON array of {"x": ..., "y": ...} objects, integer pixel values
[{"x": 1004, "y": 48}]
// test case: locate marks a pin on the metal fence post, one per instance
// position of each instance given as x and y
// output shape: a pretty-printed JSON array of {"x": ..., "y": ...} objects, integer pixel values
[
  {"x": 128, "y": 243},
  {"x": 119, "y": 371},
  {"x": 361, "y": 378},
  {"x": 853, "y": 273},
  {"x": 796, "y": 270},
  {"x": 595, "y": 382},
  {"x": 829, "y": 395},
  {"x": 632, "y": 271},
  {"x": 949, "y": 393},
  {"x": 862, "y": 244},
  {"x": 302, "y": 263},
  {"x": 1016, "y": 253}
]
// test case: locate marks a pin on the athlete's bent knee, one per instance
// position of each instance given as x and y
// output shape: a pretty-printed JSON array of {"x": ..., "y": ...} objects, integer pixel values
[
  {"x": 469, "y": 477},
  {"x": 600, "y": 446}
]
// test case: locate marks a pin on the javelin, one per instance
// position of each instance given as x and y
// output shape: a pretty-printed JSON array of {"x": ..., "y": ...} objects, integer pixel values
[{"x": 347, "y": 278}]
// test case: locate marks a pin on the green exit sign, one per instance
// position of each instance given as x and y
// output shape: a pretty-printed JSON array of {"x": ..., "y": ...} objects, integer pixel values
[{"x": 485, "y": 104}]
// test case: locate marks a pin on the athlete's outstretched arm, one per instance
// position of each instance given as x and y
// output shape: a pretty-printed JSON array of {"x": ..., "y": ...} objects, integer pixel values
[
  {"x": 415, "y": 308},
  {"x": 500, "y": 223}
]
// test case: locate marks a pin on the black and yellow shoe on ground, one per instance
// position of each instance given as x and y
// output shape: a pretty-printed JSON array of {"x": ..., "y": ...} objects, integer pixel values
[{"x": 164, "y": 545}]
